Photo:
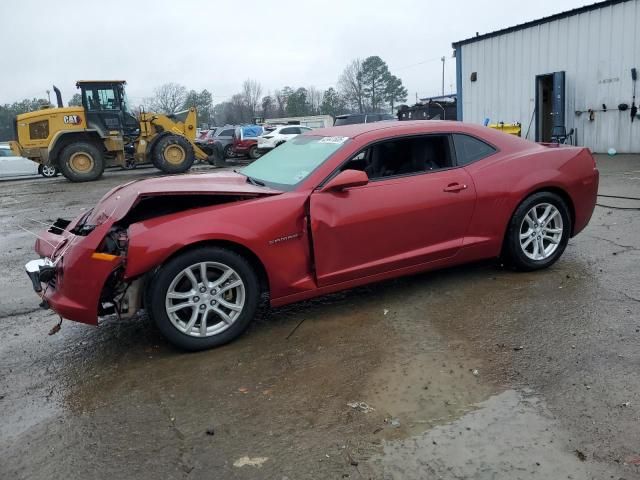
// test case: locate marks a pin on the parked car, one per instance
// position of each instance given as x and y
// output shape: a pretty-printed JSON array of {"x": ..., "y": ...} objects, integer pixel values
[
  {"x": 354, "y": 118},
  {"x": 276, "y": 137},
  {"x": 224, "y": 136},
  {"x": 329, "y": 210},
  {"x": 14, "y": 166},
  {"x": 245, "y": 140}
]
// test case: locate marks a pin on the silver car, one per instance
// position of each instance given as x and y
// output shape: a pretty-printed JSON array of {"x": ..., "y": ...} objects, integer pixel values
[{"x": 14, "y": 166}]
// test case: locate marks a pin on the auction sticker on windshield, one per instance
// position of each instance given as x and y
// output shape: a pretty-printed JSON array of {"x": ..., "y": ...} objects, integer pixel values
[{"x": 337, "y": 140}]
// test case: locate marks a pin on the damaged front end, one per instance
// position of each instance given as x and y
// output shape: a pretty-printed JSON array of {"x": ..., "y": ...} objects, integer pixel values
[{"x": 81, "y": 273}]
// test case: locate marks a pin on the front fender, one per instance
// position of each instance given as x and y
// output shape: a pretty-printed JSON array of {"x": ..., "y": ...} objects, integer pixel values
[{"x": 152, "y": 245}]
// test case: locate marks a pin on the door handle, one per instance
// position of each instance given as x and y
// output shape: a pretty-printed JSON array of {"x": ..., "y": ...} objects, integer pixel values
[{"x": 454, "y": 187}]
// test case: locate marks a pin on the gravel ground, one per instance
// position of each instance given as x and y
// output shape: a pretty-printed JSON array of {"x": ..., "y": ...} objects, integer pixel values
[{"x": 473, "y": 372}]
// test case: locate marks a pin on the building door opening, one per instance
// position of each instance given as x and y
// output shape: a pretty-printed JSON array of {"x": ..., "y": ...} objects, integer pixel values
[{"x": 550, "y": 105}]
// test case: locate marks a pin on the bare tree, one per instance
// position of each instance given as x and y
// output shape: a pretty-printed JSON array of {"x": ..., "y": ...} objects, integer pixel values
[
  {"x": 281, "y": 99},
  {"x": 351, "y": 86},
  {"x": 314, "y": 99},
  {"x": 252, "y": 91},
  {"x": 168, "y": 98}
]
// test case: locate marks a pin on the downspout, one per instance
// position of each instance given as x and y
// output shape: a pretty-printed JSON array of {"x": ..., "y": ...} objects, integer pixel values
[{"x": 458, "y": 54}]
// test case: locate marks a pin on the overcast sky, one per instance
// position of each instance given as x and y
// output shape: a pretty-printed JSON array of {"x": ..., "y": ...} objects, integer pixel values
[{"x": 217, "y": 45}]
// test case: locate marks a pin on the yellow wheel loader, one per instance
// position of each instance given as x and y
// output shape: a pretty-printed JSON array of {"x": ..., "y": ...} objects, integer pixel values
[{"x": 104, "y": 131}]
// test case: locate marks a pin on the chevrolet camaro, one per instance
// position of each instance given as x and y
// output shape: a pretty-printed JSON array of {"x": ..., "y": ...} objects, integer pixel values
[{"x": 329, "y": 210}]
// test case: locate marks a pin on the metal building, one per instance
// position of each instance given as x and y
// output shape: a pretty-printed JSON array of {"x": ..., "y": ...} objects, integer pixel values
[{"x": 573, "y": 70}]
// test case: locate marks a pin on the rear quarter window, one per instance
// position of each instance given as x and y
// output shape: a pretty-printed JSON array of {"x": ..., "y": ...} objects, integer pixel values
[{"x": 470, "y": 149}]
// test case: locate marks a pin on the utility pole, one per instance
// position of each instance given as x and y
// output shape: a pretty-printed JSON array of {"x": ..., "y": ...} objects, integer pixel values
[
  {"x": 442, "y": 75},
  {"x": 49, "y": 95}
]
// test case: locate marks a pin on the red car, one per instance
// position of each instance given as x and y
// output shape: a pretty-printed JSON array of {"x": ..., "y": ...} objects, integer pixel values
[{"x": 328, "y": 210}]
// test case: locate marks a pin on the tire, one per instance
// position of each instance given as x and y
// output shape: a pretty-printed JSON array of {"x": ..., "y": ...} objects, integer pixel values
[
  {"x": 228, "y": 151},
  {"x": 253, "y": 152},
  {"x": 173, "y": 154},
  {"x": 81, "y": 162},
  {"x": 549, "y": 223},
  {"x": 48, "y": 171},
  {"x": 180, "y": 327}
]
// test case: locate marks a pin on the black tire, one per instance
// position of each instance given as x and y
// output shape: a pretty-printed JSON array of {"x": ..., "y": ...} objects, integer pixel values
[
  {"x": 81, "y": 162},
  {"x": 48, "y": 171},
  {"x": 216, "y": 158},
  {"x": 159, "y": 286},
  {"x": 253, "y": 152},
  {"x": 514, "y": 253},
  {"x": 173, "y": 154},
  {"x": 228, "y": 151}
]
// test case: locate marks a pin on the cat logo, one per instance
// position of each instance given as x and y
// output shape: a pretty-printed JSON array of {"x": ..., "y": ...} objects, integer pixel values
[{"x": 72, "y": 119}]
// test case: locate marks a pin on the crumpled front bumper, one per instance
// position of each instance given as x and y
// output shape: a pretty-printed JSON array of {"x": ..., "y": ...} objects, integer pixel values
[{"x": 74, "y": 287}]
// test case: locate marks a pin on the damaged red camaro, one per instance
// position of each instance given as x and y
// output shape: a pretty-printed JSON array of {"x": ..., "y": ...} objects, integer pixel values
[{"x": 326, "y": 211}]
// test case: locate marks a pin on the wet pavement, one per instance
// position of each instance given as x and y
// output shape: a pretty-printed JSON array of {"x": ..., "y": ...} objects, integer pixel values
[{"x": 474, "y": 372}]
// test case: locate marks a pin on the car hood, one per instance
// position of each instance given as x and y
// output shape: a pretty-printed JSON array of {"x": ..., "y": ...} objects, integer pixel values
[{"x": 118, "y": 201}]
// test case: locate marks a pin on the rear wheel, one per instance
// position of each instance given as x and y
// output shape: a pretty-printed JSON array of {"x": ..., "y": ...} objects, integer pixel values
[
  {"x": 81, "y": 162},
  {"x": 204, "y": 298},
  {"x": 253, "y": 152},
  {"x": 173, "y": 154},
  {"x": 538, "y": 232}
]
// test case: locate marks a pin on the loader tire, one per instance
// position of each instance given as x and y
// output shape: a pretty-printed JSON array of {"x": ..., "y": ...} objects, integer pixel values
[
  {"x": 81, "y": 162},
  {"x": 173, "y": 154}
]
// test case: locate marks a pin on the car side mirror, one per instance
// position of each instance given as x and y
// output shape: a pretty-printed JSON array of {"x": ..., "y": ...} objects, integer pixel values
[{"x": 346, "y": 179}]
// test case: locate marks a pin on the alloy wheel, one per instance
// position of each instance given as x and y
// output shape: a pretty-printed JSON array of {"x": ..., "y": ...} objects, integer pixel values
[
  {"x": 541, "y": 231},
  {"x": 205, "y": 299}
]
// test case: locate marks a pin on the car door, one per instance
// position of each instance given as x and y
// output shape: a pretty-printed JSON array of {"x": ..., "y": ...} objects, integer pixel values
[
  {"x": 288, "y": 133},
  {"x": 404, "y": 216}
]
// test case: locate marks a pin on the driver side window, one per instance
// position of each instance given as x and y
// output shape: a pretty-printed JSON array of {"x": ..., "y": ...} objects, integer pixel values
[{"x": 403, "y": 156}]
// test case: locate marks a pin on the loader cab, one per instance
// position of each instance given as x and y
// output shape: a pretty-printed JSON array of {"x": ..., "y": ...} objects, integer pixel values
[{"x": 106, "y": 107}]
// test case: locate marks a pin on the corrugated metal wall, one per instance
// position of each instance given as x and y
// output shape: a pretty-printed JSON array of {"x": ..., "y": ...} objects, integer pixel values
[{"x": 596, "y": 49}]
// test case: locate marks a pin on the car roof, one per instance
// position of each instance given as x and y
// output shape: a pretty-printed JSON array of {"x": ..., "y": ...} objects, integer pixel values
[{"x": 412, "y": 127}]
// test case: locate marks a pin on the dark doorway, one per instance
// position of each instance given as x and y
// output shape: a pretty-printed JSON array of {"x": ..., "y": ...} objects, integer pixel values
[{"x": 550, "y": 105}]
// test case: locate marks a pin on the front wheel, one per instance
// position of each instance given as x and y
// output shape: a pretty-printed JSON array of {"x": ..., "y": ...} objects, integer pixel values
[
  {"x": 228, "y": 151},
  {"x": 204, "y": 298},
  {"x": 538, "y": 232},
  {"x": 173, "y": 154}
]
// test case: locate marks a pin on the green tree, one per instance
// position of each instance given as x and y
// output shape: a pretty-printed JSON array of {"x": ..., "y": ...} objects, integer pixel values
[
  {"x": 76, "y": 100},
  {"x": 394, "y": 92},
  {"x": 267, "y": 106},
  {"x": 297, "y": 105},
  {"x": 8, "y": 114},
  {"x": 332, "y": 103},
  {"x": 203, "y": 102},
  {"x": 374, "y": 77}
]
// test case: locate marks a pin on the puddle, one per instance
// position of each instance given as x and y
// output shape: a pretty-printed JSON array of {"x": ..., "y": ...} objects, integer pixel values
[{"x": 510, "y": 436}]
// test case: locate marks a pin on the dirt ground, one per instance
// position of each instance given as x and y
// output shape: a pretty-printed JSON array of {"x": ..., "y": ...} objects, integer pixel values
[{"x": 475, "y": 372}]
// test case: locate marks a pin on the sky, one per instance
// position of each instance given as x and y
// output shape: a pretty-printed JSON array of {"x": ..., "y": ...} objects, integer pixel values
[{"x": 217, "y": 45}]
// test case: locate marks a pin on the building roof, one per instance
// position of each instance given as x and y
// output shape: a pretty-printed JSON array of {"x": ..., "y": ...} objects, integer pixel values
[{"x": 533, "y": 23}]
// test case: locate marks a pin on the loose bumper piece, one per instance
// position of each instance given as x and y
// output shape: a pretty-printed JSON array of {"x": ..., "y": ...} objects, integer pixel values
[{"x": 41, "y": 270}]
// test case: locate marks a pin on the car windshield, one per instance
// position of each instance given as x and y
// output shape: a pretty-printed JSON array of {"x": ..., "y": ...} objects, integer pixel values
[{"x": 292, "y": 162}]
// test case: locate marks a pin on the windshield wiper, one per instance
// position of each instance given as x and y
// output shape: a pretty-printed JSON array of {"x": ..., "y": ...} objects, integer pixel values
[{"x": 254, "y": 181}]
